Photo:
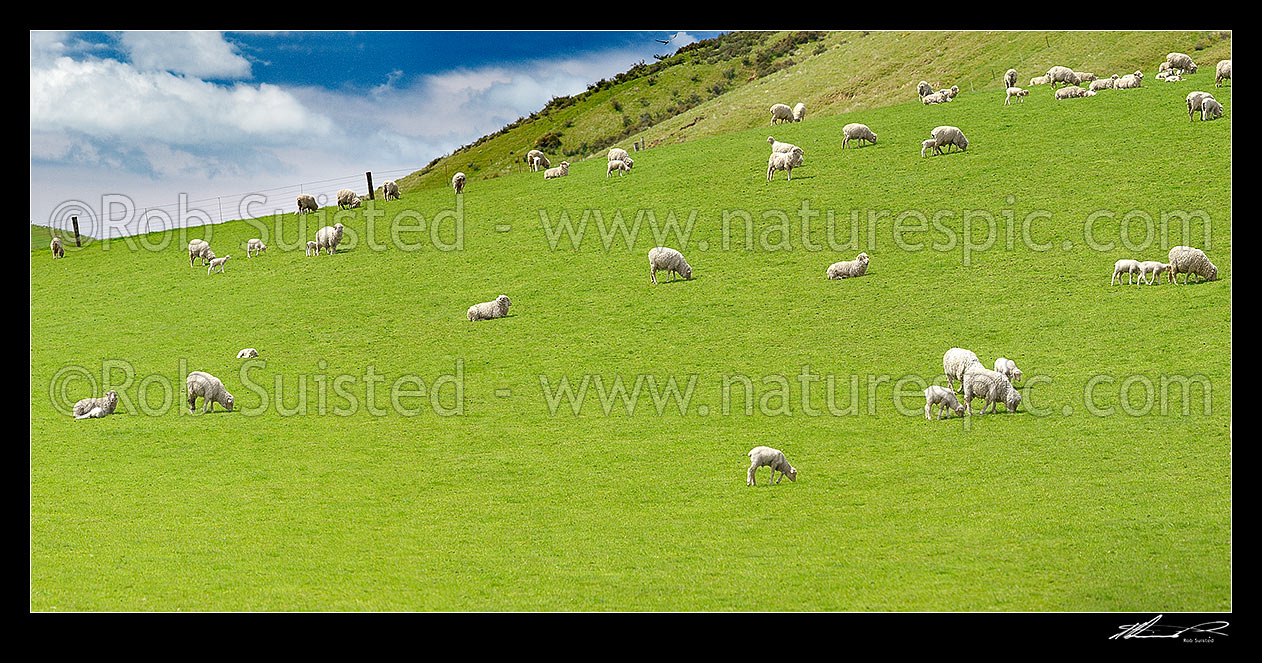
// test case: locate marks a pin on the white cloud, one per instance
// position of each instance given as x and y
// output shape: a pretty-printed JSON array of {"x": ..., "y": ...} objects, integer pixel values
[{"x": 201, "y": 54}]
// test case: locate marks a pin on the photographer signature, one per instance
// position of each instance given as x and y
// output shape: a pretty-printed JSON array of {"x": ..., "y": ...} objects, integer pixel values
[{"x": 1151, "y": 629}]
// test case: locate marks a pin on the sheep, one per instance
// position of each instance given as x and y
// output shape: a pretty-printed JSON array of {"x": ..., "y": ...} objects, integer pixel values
[
  {"x": 777, "y": 146},
  {"x": 560, "y": 171},
  {"x": 773, "y": 458},
  {"x": 1084, "y": 77},
  {"x": 617, "y": 154},
  {"x": 992, "y": 387},
  {"x": 944, "y": 398},
  {"x": 217, "y": 263},
  {"x": 328, "y": 238},
  {"x": 199, "y": 248},
  {"x": 1211, "y": 109},
  {"x": 210, "y": 389},
  {"x": 58, "y": 250},
  {"x": 1103, "y": 84},
  {"x": 1071, "y": 92},
  {"x": 1040, "y": 80},
  {"x": 1181, "y": 61},
  {"x": 247, "y": 353},
  {"x": 785, "y": 161},
  {"x": 781, "y": 113},
  {"x": 1153, "y": 269},
  {"x": 923, "y": 89},
  {"x": 954, "y": 363},
  {"x": 930, "y": 145},
  {"x": 84, "y": 409},
  {"x": 1090, "y": 93},
  {"x": 457, "y": 182},
  {"x": 256, "y": 246},
  {"x": 490, "y": 310},
  {"x": 950, "y": 92},
  {"x": 856, "y": 131},
  {"x": 1188, "y": 261},
  {"x": 306, "y": 204},
  {"x": 1124, "y": 266},
  {"x": 1010, "y": 78},
  {"x": 949, "y": 136},
  {"x": 348, "y": 199},
  {"x": 1008, "y": 368},
  {"x": 848, "y": 268},
  {"x": 666, "y": 259},
  {"x": 390, "y": 189},
  {"x": 799, "y": 112},
  {"x": 620, "y": 165},
  {"x": 1129, "y": 81},
  {"x": 1060, "y": 74},
  {"x": 1165, "y": 66},
  {"x": 1017, "y": 92},
  {"x": 313, "y": 249},
  {"x": 1173, "y": 79},
  {"x": 1222, "y": 72},
  {"x": 1195, "y": 100},
  {"x": 536, "y": 160},
  {"x": 935, "y": 98}
]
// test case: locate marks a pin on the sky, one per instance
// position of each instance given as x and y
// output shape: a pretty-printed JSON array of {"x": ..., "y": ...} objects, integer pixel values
[{"x": 136, "y": 131}]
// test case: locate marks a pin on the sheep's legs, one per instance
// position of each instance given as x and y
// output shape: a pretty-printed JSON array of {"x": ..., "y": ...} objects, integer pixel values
[{"x": 752, "y": 472}]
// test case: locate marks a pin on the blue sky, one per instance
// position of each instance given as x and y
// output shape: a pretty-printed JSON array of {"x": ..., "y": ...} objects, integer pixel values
[{"x": 154, "y": 115}]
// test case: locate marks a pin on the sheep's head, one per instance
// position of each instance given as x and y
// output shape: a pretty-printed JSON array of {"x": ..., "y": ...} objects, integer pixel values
[
  {"x": 112, "y": 396},
  {"x": 959, "y": 408},
  {"x": 1212, "y": 273},
  {"x": 874, "y": 138},
  {"x": 503, "y": 300},
  {"x": 1016, "y": 375},
  {"x": 862, "y": 257},
  {"x": 962, "y": 143},
  {"x": 208, "y": 254},
  {"x": 686, "y": 272},
  {"x": 771, "y": 140},
  {"x": 1013, "y": 399},
  {"x": 793, "y": 473},
  {"x": 629, "y": 162},
  {"x": 227, "y": 403}
]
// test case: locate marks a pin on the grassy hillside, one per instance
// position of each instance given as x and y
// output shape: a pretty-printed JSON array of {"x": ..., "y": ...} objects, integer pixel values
[
  {"x": 727, "y": 84},
  {"x": 42, "y": 235},
  {"x": 1086, "y": 498}
]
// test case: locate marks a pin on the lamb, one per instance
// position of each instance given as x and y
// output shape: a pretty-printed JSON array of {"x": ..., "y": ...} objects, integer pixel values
[
  {"x": 1181, "y": 61},
  {"x": 1173, "y": 79},
  {"x": 930, "y": 145},
  {"x": 313, "y": 249},
  {"x": 1222, "y": 72},
  {"x": 391, "y": 190},
  {"x": 95, "y": 408},
  {"x": 781, "y": 113},
  {"x": 217, "y": 263},
  {"x": 923, "y": 89},
  {"x": 1017, "y": 92},
  {"x": 58, "y": 250},
  {"x": 1071, "y": 92},
  {"x": 990, "y": 386},
  {"x": 848, "y": 268},
  {"x": 856, "y": 131},
  {"x": 210, "y": 389},
  {"x": 1211, "y": 109},
  {"x": 617, "y": 154},
  {"x": 1124, "y": 266},
  {"x": 1165, "y": 66},
  {"x": 935, "y": 98},
  {"x": 777, "y": 146},
  {"x": 773, "y": 458},
  {"x": 348, "y": 199},
  {"x": 799, "y": 112},
  {"x": 1008, "y": 368},
  {"x": 1129, "y": 81},
  {"x": 490, "y": 310},
  {"x": 955, "y": 362},
  {"x": 1040, "y": 80},
  {"x": 666, "y": 259},
  {"x": 306, "y": 204},
  {"x": 199, "y": 248},
  {"x": 944, "y": 398},
  {"x": 1103, "y": 84},
  {"x": 1195, "y": 101},
  {"x": 536, "y": 160},
  {"x": 1187, "y": 260},
  {"x": 256, "y": 246},
  {"x": 328, "y": 238},
  {"x": 247, "y": 353},
  {"x": 457, "y": 182},
  {"x": 1084, "y": 76},
  {"x": 620, "y": 165},
  {"x": 785, "y": 161},
  {"x": 560, "y": 171},
  {"x": 950, "y": 92},
  {"x": 1060, "y": 74},
  {"x": 949, "y": 136},
  {"x": 1153, "y": 269},
  {"x": 1010, "y": 78}
]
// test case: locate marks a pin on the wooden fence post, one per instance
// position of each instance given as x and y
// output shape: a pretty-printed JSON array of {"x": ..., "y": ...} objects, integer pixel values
[
  {"x": 75, "y": 221},
  {"x": 369, "y": 176}
]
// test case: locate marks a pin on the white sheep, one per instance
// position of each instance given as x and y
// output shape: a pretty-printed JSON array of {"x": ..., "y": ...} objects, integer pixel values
[
  {"x": 306, "y": 204},
  {"x": 777, "y": 146},
  {"x": 1124, "y": 266},
  {"x": 1153, "y": 269},
  {"x": 949, "y": 136},
  {"x": 217, "y": 263},
  {"x": 313, "y": 249},
  {"x": 929, "y": 144},
  {"x": 1222, "y": 72},
  {"x": 560, "y": 171},
  {"x": 923, "y": 89},
  {"x": 347, "y": 198},
  {"x": 199, "y": 248},
  {"x": 490, "y": 310},
  {"x": 799, "y": 112},
  {"x": 1129, "y": 81},
  {"x": 247, "y": 353},
  {"x": 1103, "y": 83},
  {"x": 1188, "y": 261},
  {"x": 1060, "y": 74},
  {"x": 1040, "y": 80},
  {"x": 1008, "y": 368},
  {"x": 1181, "y": 61},
  {"x": 992, "y": 387},
  {"x": 329, "y": 237},
  {"x": 781, "y": 113},
  {"x": 209, "y": 389},
  {"x": 457, "y": 182},
  {"x": 846, "y": 269},
  {"x": 955, "y": 362},
  {"x": 1017, "y": 92},
  {"x": 95, "y": 408},
  {"x": 390, "y": 189},
  {"x": 944, "y": 398},
  {"x": 1010, "y": 78},
  {"x": 1084, "y": 77},
  {"x": 1173, "y": 79},
  {"x": 665, "y": 259},
  {"x": 58, "y": 250},
  {"x": 536, "y": 160},
  {"x": 620, "y": 165},
  {"x": 773, "y": 458},
  {"x": 1071, "y": 92},
  {"x": 617, "y": 154},
  {"x": 856, "y": 131},
  {"x": 1211, "y": 109},
  {"x": 1195, "y": 100},
  {"x": 256, "y": 246},
  {"x": 785, "y": 161},
  {"x": 950, "y": 92},
  {"x": 935, "y": 98}
]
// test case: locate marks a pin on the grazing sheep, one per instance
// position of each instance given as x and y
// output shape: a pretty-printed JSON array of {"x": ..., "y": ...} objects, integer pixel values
[
  {"x": 781, "y": 113},
  {"x": 799, "y": 112},
  {"x": 217, "y": 263},
  {"x": 329, "y": 237},
  {"x": 944, "y": 398},
  {"x": 306, "y": 204},
  {"x": 930, "y": 145},
  {"x": 457, "y": 182},
  {"x": 777, "y": 146},
  {"x": 536, "y": 160},
  {"x": 1060, "y": 74},
  {"x": 391, "y": 190},
  {"x": 560, "y": 171},
  {"x": 785, "y": 161},
  {"x": 1103, "y": 84},
  {"x": 665, "y": 259},
  {"x": 1040, "y": 80},
  {"x": 773, "y": 458},
  {"x": 848, "y": 268},
  {"x": 1195, "y": 100},
  {"x": 1084, "y": 77},
  {"x": 256, "y": 246},
  {"x": 1222, "y": 72},
  {"x": 103, "y": 406},
  {"x": 992, "y": 387},
  {"x": 1187, "y": 260},
  {"x": 1017, "y": 92},
  {"x": 856, "y": 131},
  {"x": 1124, "y": 266},
  {"x": 1008, "y": 368},
  {"x": 348, "y": 199},
  {"x": 949, "y": 136},
  {"x": 1153, "y": 269},
  {"x": 1010, "y": 78},
  {"x": 1181, "y": 61},
  {"x": 954, "y": 363},
  {"x": 1129, "y": 81},
  {"x": 923, "y": 89},
  {"x": 199, "y": 248},
  {"x": 210, "y": 389},
  {"x": 490, "y": 310},
  {"x": 1211, "y": 109},
  {"x": 617, "y": 154},
  {"x": 247, "y": 353},
  {"x": 313, "y": 249},
  {"x": 620, "y": 165},
  {"x": 935, "y": 98},
  {"x": 58, "y": 250}
]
